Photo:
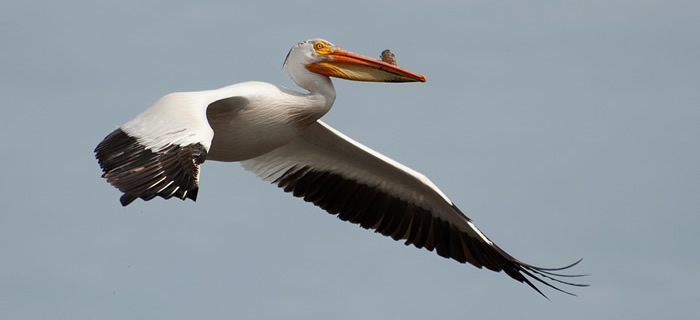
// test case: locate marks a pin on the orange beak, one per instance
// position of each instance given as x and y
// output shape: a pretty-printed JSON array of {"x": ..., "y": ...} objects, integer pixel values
[{"x": 344, "y": 64}]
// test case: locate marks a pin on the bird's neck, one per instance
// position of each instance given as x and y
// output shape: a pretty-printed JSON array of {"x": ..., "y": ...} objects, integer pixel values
[{"x": 321, "y": 94}]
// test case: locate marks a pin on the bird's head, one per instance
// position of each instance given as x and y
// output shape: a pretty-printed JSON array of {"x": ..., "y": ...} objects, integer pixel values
[{"x": 322, "y": 57}]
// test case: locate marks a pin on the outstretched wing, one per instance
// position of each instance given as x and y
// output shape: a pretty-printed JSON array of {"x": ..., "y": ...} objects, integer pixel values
[
  {"x": 361, "y": 186},
  {"x": 158, "y": 153}
]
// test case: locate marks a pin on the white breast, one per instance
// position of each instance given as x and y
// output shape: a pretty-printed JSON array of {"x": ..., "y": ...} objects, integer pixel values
[{"x": 264, "y": 118}]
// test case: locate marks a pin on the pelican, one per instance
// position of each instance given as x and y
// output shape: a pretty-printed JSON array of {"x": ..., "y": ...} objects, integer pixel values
[{"x": 276, "y": 133}]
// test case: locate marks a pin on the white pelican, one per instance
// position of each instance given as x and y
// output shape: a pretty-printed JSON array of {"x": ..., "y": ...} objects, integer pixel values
[{"x": 276, "y": 133}]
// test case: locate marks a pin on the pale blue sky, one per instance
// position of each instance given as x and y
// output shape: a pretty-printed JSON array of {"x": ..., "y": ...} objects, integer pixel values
[{"x": 565, "y": 129}]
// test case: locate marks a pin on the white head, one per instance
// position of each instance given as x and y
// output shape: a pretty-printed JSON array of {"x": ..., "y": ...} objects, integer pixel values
[{"x": 311, "y": 58}]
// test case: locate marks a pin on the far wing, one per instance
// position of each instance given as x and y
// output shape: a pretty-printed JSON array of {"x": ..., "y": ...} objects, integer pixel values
[{"x": 361, "y": 186}]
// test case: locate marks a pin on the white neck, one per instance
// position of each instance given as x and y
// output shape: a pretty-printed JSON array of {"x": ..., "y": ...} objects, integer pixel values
[{"x": 321, "y": 90}]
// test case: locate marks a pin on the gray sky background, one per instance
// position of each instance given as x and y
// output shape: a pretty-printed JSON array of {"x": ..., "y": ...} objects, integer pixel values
[{"x": 565, "y": 129}]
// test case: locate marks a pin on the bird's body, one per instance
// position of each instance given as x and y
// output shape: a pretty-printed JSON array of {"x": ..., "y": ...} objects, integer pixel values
[{"x": 275, "y": 132}]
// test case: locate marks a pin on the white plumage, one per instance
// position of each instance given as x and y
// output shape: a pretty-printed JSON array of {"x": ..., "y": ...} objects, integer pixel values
[{"x": 275, "y": 132}]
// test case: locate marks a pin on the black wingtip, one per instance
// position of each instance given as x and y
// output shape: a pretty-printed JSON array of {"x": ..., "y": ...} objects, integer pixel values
[
  {"x": 140, "y": 172},
  {"x": 193, "y": 194},
  {"x": 126, "y": 199},
  {"x": 542, "y": 274}
]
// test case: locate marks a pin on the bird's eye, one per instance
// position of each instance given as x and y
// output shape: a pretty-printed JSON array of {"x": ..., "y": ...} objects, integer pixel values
[{"x": 319, "y": 46}]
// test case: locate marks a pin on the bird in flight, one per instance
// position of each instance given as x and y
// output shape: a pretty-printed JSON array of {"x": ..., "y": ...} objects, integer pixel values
[{"x": 276, "y": 133}]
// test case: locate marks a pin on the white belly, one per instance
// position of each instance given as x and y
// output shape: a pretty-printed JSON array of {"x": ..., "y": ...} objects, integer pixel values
[
  {"x": 241, "y": 139},
  {"x": 265, "y": 118}
]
